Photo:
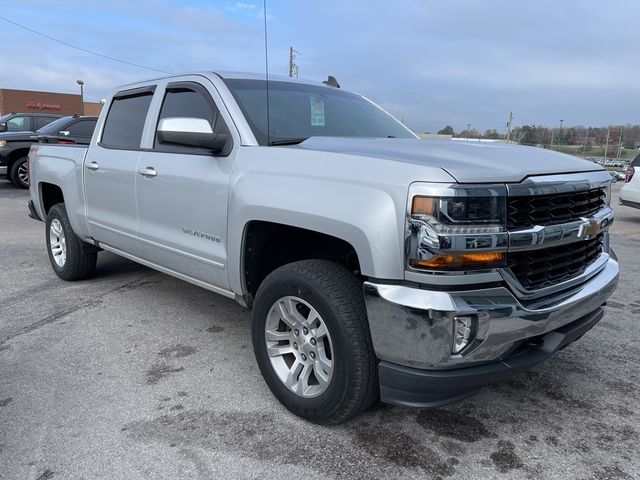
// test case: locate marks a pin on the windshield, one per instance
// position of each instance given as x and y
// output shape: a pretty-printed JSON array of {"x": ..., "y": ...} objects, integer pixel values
[
  {"x": 54, "y": 127},
  {"x": 4, "y": 117},
  {"x": 298, "y": 111}
]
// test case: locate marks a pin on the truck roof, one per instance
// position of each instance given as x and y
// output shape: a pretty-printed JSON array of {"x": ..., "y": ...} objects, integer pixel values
[{"x": 225, "y": 75}]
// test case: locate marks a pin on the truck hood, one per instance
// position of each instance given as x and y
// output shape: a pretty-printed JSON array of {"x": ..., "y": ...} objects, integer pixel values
[
  {"x": 466, "y": 162},
  {"x": 14, "y": 136}
]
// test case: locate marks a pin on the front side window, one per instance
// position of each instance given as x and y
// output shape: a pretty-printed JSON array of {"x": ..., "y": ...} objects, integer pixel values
[
  {"x": 189, "y": 100},
  {"x": 299, "y": 111},
  {"x": 82, "y": 128},
  {"x": 125, "y": 120},
  {"x": 18, "y": 124}
]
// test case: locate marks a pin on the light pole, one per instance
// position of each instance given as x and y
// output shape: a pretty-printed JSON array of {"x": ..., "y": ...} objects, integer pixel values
[{"x": 81, "y": 83}]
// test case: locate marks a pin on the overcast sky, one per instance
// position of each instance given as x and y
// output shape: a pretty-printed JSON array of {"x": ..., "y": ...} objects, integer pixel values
[{"x": 430, "y": 62}]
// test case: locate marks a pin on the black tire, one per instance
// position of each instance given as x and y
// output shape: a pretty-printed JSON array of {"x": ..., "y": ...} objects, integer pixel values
[
  {"x": 81, "y": 258},
  {"x": 337, "y": 296},
  {"x": 16, "y": 170}
]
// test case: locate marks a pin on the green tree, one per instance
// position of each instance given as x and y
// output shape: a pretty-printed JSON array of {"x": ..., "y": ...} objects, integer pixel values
[
  {"x": 448, "y": 130},
  {"x": 491, "y": 133}
]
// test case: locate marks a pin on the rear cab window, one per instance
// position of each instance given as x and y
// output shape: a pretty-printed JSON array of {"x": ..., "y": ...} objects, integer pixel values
[{"x": 125, "y": 120}]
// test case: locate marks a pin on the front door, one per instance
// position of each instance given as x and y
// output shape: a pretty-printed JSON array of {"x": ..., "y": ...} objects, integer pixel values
[
  {"x": 110, "y": 171},
  {"x": 183, "y": 192}
]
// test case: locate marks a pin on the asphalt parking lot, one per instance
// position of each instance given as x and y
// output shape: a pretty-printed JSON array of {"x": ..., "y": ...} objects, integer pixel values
[{"x": 136, "y": 375}]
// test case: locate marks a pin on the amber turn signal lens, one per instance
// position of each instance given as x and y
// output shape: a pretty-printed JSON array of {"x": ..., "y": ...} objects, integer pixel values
[
  {"x": 423, "y": 206},
  {"x": 463, "y": 260}
]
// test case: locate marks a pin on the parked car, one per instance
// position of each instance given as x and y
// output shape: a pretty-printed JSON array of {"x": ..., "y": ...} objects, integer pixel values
[
  {"x": 25, "y": 122},
  {"x": 630, "y": 191},
  {"x": 377, "y": 265},
  {"x": 14, "y": 146},
  {"x": 614, "y": 176}
]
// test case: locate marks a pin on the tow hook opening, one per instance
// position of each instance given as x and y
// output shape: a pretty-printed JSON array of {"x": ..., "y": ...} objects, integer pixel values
[{"x": 464, "y": 332}]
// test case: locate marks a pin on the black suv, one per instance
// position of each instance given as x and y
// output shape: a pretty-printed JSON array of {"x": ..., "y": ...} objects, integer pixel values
[
  {"x": 25, "y": 122},
  {"x": 14, "y": 146}
]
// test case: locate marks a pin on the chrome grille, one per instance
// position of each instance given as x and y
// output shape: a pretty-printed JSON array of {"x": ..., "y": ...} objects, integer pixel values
[
  {"x": 529, "y": 211},
  {"x": 536, "y": 269}
]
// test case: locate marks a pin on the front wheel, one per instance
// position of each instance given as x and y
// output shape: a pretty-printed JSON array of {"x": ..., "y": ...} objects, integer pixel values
[
  {"x": 70, "y": 259},
  {"x": 312, "y": 343},
  {"x": 19, "y": 173}
]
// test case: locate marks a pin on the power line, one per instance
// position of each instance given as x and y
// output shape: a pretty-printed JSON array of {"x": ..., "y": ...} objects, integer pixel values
[{"x": 49, "y": 37}]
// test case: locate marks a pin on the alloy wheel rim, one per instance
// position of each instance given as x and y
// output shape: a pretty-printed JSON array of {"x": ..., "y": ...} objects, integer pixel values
[
  {"x": 57, "y": 243},
  {"x": 299, "y": 347},
  {"x": 23, "y": 173}
]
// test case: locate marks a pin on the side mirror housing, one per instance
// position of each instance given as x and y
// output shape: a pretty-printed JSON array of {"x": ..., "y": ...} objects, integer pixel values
[
  {"x": 3, "y": 127},
  {"x": 191, "y": 132}
]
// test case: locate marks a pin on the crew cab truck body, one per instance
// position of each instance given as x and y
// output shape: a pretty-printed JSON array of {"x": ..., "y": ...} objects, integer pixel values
[{"x": 377, "y": 265}]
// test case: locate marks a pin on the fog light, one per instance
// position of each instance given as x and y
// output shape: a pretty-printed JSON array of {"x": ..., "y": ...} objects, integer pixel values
[{"x": 463, "y": 332}]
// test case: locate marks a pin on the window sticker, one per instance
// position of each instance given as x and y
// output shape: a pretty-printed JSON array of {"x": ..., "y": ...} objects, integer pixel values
[{"x": 317, "y": 112}]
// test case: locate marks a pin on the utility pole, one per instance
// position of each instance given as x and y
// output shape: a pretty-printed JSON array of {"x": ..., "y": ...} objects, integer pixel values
[
  {"x": 606, "y": 145},
  {"x": 293, "y": 67},
  {"x": 553, "y": 132},
  {"x": 620, "y": 144},
  {"x": 509, "y": 125},
  {"x": 586, "y": 140},
  {"x": 560, "y": 132},
  {"x": 468, "y": 130}
]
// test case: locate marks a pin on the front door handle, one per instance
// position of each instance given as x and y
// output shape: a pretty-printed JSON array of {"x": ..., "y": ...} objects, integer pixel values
[
  {"x": 148, "y": 172},
  {"x": 93, "y": 166}
]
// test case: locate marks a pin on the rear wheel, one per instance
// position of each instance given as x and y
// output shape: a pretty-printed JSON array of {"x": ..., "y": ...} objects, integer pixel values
[
  {"x": 70, "y": 257},
  {"x": 312, "y": 343},
  {"x": 19, "y": 173}
]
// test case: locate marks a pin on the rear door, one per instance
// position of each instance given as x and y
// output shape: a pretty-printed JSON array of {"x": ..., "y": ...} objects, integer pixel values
[
  {"x": 110, "y": 170},
  {"x": 182, "y": 206}
]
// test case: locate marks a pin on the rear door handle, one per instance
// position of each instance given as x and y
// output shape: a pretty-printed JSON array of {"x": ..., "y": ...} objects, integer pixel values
[
  {"x": 93, "y": 166},
  {"x": 148, "y": 172}
]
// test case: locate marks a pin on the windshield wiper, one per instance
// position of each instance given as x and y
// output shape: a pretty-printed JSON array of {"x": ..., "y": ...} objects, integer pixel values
[{"x": 288, "y": 141}]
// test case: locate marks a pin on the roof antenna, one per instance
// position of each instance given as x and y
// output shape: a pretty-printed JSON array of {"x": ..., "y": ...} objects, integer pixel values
[
  {"x": 331, "y": 81},
  {"x": 266, "y": 68}
]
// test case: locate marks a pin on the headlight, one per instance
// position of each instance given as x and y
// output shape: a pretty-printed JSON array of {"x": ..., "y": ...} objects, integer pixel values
[
  {"x": 3, "y": 143},
  {"x": 457, "y": 228}
]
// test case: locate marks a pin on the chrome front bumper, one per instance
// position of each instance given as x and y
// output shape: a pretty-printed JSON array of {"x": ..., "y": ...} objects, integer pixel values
[
  {"x": 413, "y": 327},
  {"x": 3, "y": 169}
]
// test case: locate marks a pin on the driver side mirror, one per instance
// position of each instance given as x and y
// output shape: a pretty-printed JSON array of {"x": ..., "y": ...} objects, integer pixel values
[
  {"x": 3, "y": 127},
  {"x": 191, "y": 132}
]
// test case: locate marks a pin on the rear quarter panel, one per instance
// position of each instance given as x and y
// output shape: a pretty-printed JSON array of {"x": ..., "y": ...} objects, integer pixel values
[{"x": 62, "y": 166}]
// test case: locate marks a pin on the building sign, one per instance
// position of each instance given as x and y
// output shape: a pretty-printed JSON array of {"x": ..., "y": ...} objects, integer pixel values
[{"x": 42, "y": 106}]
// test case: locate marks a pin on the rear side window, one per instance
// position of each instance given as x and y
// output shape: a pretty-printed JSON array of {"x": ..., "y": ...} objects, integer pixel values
[
  {"x": 42, "y": 121},
  {"x": 125, "y": 120},
  {"x": 82, "y": 128},
  {"x": 636, "y": 161}
]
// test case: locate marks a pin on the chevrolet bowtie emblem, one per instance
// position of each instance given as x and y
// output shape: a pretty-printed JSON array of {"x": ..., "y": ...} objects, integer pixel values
[{"x": 589, "y": 228}]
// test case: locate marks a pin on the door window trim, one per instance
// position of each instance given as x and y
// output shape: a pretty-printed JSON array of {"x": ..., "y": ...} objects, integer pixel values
[
  {"x": 121, "y": 95},
  {"x": 202, "y": 90}
]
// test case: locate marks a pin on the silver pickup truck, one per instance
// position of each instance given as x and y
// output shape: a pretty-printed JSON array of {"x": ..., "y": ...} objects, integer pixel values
[{"x": 377, "y": 265}]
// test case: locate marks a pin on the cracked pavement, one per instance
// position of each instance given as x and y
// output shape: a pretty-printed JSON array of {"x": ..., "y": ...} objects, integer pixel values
[{"x": 136, "y": 375}]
